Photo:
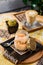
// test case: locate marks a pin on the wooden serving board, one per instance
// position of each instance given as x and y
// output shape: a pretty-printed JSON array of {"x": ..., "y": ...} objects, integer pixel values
[
  {"x": 34, "y": 58},
  {"x": 21, "y": 17}
]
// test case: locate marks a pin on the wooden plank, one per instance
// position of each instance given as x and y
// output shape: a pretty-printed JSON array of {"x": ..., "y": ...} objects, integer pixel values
[{"x": 36, "y": 56}]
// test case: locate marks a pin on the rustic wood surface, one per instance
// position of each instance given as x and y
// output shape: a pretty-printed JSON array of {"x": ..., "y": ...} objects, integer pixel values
[{"x": 4, "y": 61}]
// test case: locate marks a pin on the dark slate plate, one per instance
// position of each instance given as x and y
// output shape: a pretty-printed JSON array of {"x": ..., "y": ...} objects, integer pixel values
[
  {"x": 14, "y": 56},
  {"x": 17, "y": 58}
]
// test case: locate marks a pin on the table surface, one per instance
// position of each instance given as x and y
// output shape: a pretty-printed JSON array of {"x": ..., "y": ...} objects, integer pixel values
[{"x": 4, "y": 61}]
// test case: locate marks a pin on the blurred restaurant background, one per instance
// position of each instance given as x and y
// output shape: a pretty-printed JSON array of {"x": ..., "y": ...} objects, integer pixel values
[
  {"x": 18, "y": 5},
  {"x": 11, "y": 5}
]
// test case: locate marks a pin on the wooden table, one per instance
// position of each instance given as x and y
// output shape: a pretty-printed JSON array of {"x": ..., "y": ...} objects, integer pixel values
[{"x": 4, "y": 61}]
